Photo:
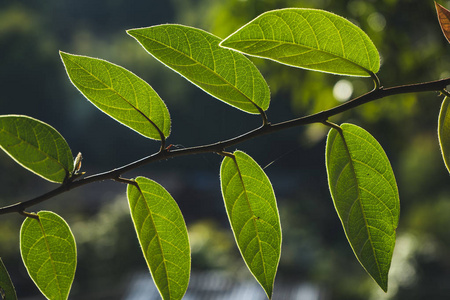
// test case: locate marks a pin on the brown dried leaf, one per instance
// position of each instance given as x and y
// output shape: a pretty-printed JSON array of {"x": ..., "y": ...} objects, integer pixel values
[{"x": 444, "y": 20}]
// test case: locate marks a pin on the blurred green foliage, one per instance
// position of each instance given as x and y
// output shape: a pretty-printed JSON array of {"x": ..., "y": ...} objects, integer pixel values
[{"x": 314, "y": 249}]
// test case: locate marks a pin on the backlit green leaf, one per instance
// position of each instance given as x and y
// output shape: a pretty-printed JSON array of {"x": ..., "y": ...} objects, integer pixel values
[
  {"x": 49, "y": 254},
  {"x": 36, "y": 146},
  {"x": 310, "y": 39},
  {"x": 7, "y": 291},
  {"x": 252, "y": 210},
  {"x": 195, "y": 54},
  {"x": 120, "y": 94},
  {"x": 444, "y": 131},
  {"x": 162, "y": 233},
  {"x": 365, "y": 196}
]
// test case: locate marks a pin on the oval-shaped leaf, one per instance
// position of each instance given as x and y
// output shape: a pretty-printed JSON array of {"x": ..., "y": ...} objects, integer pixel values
[
  {"x": 49, "y": 253},
  {"x": 196, "y": 55},
  {"x": 365, "y": 196},
  {"x": 444, "y": 20},
  {"x": 120, "y": 94},
  {"x": 252, "y": 210},
  {"x": 7, "y": 291},
  {"x": 310, "y": 39},
  {"x": 36, "y": 146},
  {"x": 162, "y": 233},
  {"x": 444, "y": 131}
]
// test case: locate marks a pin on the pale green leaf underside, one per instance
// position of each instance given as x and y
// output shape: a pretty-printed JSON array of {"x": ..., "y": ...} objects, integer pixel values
[
  {"x": 310, "y": 39},
  {"x": 195, "y": 54},
  {"x": 120, "y": 94},
  {"x": 252, "y": 210},
  {"x": 444, "y": 131},
  {"x": 163, "y": 237},
  {"x": 36, "y": 146},
  {"x": 49, "y": 254},
  {"x": 7, "y": 291},
  {"x": 365, "y": 196}
]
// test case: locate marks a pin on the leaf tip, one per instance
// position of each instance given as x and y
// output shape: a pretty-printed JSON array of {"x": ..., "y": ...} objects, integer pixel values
[
  {"x": 223, "y": 42},
  {"x": 443, "y": 15},
  {"x": 383, "y": 284},
  {"x": 64, "y": 55},
  {"x": 132, "y": 32}
]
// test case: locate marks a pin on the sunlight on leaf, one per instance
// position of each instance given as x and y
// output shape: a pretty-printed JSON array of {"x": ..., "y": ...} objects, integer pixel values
[
  {"x": 253, "y": 214},
  {"x": 49, "y": 253},
  {"x": 36, "y": 146},
  {"x": 163, "y": 237},
  {"x": 120, "y": 94},
  {"x": 365, "y": 196},
  {"x": 444, "y": 20},
  {"x": 444, "y": 131},
  {"x": 195, "y": 54},
  {"x": 310, "y": 39},
  {"x": 7, "y": 291}
]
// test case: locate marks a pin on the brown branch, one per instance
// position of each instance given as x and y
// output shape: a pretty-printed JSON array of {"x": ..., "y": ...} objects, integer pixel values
[{"x": 219, "y": 147}]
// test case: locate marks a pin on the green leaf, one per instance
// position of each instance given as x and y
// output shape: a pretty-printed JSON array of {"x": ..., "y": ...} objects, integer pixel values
[
  {"x": 36, "y": 146},
  {"x": 120, "y": 94},
  {"x": 252, "y": 210},
  {"x": 162, "y": 233},
  {"x": 7, "y": 291},
  {"x": 365, "y": 196},
  {"x": 195, "y": 54},
  {"x": 310, "y": 39},
  {"x": 49, "y": 253},
  {"x": 444, "y": 131}
]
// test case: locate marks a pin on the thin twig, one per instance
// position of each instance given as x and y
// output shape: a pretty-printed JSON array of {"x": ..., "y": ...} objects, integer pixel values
[{"x": 267, "y": 128}]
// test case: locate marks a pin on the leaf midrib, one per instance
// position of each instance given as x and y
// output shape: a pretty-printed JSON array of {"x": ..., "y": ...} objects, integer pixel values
[
  {"x": 150, "y": 215},
  {"x": 203, "y": 66},
  {"x": 118, "y": 94},
  {"x": 36, "y": 148},
  {"x": 341, "y": 134},
  {"x": 326, "y": 15},
  {"x": 393, "y": 188},
  {"x": 280, "y": 43},
  {"x": 253, "y": 215},
  {"x": 50, "y": 255}
]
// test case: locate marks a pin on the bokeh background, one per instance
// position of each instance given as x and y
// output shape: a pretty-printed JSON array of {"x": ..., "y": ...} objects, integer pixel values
[{"x": 316, "y": 259}]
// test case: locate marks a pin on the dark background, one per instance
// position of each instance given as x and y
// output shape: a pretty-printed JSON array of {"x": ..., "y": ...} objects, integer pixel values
[{"x": 33, "y": 82}]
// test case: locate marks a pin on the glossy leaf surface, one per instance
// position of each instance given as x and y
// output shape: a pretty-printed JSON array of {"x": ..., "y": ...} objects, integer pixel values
[
  {"x": 49, "y": 253},
  {"x": 444, "y": 131},
  {"x": 365, "y": 196},
  {"x": 444, "y": 20},
  {"x": 162, "y": 233},
  {"x": 7, "y": 291},
  {"x": 310, "y": 39},
  {"x": 36, "y": 146},
  {"x": 120, "y": 94},
  {"x": 195, "y": 54},
  {"x": 253, "y": 214}
]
